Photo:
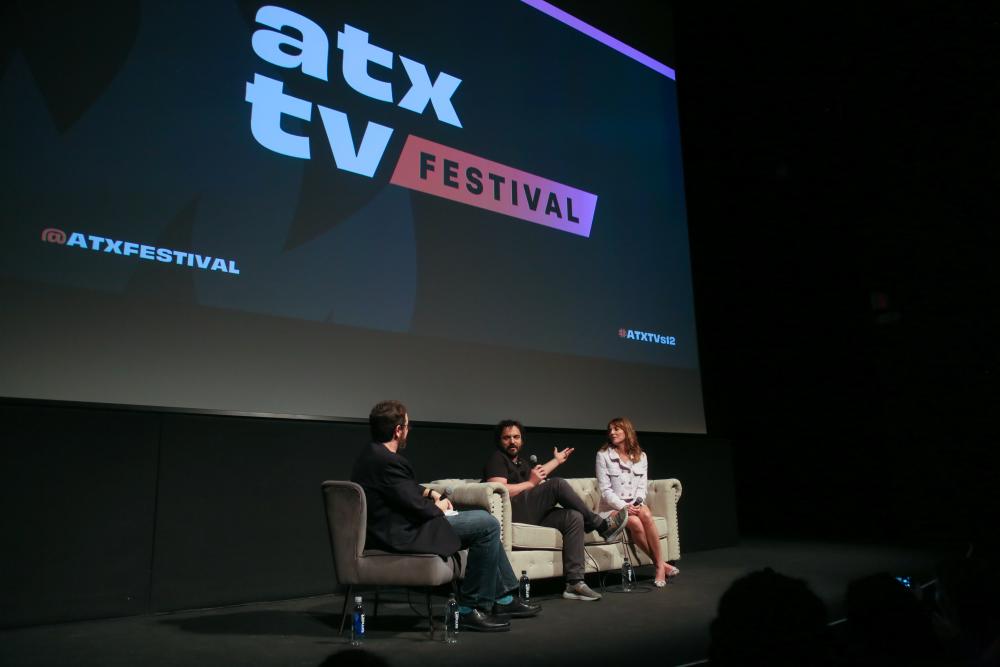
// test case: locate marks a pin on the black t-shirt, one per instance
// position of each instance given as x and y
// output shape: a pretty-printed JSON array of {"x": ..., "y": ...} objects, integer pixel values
[{"x": 500, "y": 465}]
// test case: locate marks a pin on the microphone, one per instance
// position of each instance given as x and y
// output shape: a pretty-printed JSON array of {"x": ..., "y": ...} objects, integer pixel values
[
  {"x": 534, "y": 462},
  {"x": 638, "y": 501}
]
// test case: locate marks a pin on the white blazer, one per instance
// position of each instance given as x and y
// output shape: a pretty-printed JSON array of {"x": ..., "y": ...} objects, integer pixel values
[{"x": 620, "y": 480}]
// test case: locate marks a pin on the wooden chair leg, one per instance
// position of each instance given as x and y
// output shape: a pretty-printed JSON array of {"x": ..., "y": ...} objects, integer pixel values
[
  {"x": 343, "y": 613},
  {"x": 430, "y": 613}
]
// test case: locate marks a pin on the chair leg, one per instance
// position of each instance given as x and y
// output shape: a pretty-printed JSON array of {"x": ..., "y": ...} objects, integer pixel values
[
  {"x": 343, "y": 614},
  {"x": 430, "y": 613}
]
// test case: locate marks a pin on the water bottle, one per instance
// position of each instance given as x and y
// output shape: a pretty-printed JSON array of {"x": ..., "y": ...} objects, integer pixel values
[
  {"x": 451, "y": 621},
  {"x": 524, "y": 587},
  {"x": 628, "y": 576},
  {"x": 357, "y": 622}
]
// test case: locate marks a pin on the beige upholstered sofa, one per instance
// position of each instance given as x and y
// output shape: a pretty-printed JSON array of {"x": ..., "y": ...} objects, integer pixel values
[{"x": 536, "y": 549}]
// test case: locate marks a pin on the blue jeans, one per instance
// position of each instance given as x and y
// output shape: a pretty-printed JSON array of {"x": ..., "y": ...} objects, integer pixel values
[{"x": 488, "y": 575}]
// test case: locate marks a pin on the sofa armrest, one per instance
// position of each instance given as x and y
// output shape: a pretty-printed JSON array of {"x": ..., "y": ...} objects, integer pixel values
[
  {"x": 490, "y": 496},
  {"x": 662, "y": 500}
]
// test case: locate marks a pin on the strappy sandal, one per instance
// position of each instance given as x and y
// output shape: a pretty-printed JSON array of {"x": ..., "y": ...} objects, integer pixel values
[{"x": 671, "y": 573}]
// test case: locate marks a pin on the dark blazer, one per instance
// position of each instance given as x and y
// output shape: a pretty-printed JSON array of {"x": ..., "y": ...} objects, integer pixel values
[{"x": 399, "y": 517}]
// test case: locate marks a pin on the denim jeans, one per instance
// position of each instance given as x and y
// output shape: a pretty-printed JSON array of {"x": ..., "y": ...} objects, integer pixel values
[{"x": 488, "y": 575}]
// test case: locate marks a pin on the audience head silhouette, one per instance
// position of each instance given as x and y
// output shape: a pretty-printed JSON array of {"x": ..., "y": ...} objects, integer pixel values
[
  {"x": 887, "y": 624},
  {"x": 766, "y": 618}
]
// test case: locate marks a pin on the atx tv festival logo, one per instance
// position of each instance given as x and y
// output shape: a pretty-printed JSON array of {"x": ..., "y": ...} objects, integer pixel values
[
  {"x": 108, "y": 246},
  {"x": 647, "y": 337},
  {"x": 424, "y": 166}
]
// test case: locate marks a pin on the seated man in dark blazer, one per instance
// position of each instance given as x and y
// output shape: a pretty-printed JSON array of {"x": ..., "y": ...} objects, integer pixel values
[{"x": 403, "y": 516}]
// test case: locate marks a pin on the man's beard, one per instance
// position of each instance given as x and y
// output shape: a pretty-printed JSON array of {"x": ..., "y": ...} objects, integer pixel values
[{"x": 402, "y": 444}]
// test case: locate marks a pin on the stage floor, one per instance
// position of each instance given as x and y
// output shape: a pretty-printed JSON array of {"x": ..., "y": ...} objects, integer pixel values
[{"x": 671, "y": 623}]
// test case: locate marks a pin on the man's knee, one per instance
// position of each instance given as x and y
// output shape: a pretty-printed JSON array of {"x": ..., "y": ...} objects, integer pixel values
[
  {"x": 484, "y": 522},
  {"x": 562, "y": 489}
]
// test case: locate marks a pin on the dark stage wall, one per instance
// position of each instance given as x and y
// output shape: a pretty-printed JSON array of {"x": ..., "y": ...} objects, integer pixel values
[{"x": 112, "y": 512}]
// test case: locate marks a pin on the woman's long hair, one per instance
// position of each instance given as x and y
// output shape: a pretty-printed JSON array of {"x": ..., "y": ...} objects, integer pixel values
[{"x": 632, "y": 448}]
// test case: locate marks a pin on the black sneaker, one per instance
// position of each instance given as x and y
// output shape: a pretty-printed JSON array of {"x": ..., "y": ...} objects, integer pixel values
[{"x": 614, "y": 525}]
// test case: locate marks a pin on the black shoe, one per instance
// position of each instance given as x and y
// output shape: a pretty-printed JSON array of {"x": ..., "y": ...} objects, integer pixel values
[
  {"x": 480, "y": 621},
  {"x": 517, "y": 609}
]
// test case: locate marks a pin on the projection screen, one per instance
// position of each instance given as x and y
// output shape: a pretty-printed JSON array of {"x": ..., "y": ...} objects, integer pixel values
[{"x": 303, "y": 208}]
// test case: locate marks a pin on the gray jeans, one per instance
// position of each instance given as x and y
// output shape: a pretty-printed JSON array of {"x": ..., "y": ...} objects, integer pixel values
[{"x": 574, "y": 519}]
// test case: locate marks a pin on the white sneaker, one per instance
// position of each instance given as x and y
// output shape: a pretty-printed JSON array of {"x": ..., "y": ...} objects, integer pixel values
[{"x": 580, "y": 591}]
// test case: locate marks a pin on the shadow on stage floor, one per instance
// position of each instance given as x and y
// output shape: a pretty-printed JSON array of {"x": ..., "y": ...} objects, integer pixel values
[{"x": 671, "y": 623}]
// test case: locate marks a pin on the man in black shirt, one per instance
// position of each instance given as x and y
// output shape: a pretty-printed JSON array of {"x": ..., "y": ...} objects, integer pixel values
[{"x": 533, "y": 498}]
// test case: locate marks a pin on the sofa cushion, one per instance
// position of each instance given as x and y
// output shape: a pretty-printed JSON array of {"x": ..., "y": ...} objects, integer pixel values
[
  {"x": 586, "y": 488},
  {"x": 528, "y": 536}
]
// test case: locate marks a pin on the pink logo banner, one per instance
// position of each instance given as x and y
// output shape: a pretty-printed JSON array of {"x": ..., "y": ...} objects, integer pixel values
[{"x": 446, "y": 172}]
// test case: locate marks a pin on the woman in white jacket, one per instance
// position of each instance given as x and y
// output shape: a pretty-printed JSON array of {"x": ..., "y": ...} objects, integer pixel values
[{"x": 622, "y": 479}]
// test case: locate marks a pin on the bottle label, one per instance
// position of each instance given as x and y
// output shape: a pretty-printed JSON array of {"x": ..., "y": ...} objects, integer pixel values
[{"x": 359, "y": 623}]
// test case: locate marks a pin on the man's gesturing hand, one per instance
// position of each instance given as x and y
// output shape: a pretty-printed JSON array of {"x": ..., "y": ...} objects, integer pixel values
[{"x": 561, "y": 457}]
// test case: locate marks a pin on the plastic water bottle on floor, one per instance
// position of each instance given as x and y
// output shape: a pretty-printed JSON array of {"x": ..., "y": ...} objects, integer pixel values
[
  {"x": 524, "y": 587},
  {"x": 451, "y": 621},
  {"x": 628, "y": 576},
  {"x": 358, "y": 622}
]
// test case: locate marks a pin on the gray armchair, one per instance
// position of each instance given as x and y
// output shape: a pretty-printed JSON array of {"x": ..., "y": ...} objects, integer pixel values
[{"x": 354, "y": 565}]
